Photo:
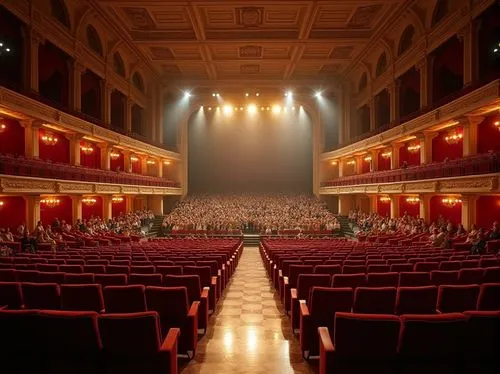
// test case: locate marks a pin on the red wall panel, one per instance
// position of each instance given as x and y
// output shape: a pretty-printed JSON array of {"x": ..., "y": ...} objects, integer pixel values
[
  {"x": 412, "y": 209},
  {"x": 55, "y": 153},
  {"x": 136, "y": 167},
  {"x": 383, "y": 208},
  {"x": 12, "y": 137},
  {"x": 92, "y": 160},
  {"x": 437, "y": 208},
  {"x": 119, "y": 208},
  {"x": 117, "y": 164},
  {"x": 383, "y": 163},
  {"x": 92, "y": 210},
  {"x": 441, "y": 149},
  {"x": 365, "y": 167},
  {"x": 63, "y": 211},
  {"x": 487, "y": 211},
  {"x": 413, "y": 159},
  {"x": 12, "y": 212},
  {"x": 488, "y": 135}
]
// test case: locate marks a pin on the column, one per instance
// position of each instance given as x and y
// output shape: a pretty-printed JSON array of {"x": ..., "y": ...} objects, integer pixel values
[
  {"x": 372, "y": 107},
  {"x": 31, "y": 137},
  {"x": 128, "y": 116},
  {"x": 127, "y": 165},
  {"x": 35, "y": 40},
  {"x": 424, "y": 207},
  {"x": 374, "y": 163},
  {"x": 160, "y": 114},
  {"x": 32, "y": 211},
  {"x": 105, "y": 160},
  {"x": 423, "y": 67},
  {"x": 395, "y": 155},
  {"x": 395, "y": 206},
  {"x": 74, "y": 148},
  {"x": 155, "y": 203},
  {"x": 426, "y": 146},
  {"x": 77, "y": 207},
  {"x": 468, "y": 210},
  {"x": 466, "y": 35},
  {"x": 107, "y": 207},
  {"x": 359, "y": 164},
  {"x": 345, "y": 204},
  {"x": 345, "y": 128},
  {"x": 129, "y": 203},
  {"x": 159, "y": 168},
  {"x": 469, "y": 143},
  {"x": 144, "y": 165},
  {"x": 373, "y": 203},
  {"x": 107, "y": 90},
  {"x": 76, "y": 85},
  {"x": 394, "y": 99},
  {"x": 341, "y": 168}
]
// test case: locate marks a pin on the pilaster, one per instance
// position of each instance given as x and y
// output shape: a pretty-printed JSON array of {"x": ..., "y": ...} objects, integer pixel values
[
  {"x": 426, "y": 146},
  {"x": 74, "y": 148},
  {"x": 395, "y": 155},
  {"x": 423, "y": 67},
  {"x": 105, "y": 153},
  {"x": 32, "y": 211},
  {"x": 31, "y": 137},
  {"x": 466, "y": 35},
  {"x": 468, "y": 210},
  {"x": 35, "y": 40},
  {"x": 470, "y": 126},
  {"x": 424, "y": 207},
  {"x": 372, "y": 107},
  {"x": 106, "y": 102},
  {"x": 394, "y": 206},
  {"x": 394, "y": 99},
  {"x": 128, "y": 115},
  {"x": 374, "y": 162},
  {"x": 76, "y": 201},
  {"x": 107, "y": 207},
  {"x": 76, "y": 85}
]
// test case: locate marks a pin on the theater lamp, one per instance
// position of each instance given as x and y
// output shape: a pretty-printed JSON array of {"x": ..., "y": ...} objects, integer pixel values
[
  {"x": 134, "y": 158},
  {"x": 413, "y": 148},
  {"x": 150, "y": 162},
  {"x": 496, "y": 124},
  {"x": 412, "y": 200},
  {"x": 167, "y": 162},
  {"x": 385, "y": 199},
  {"x": 1, "y": 203},
  {"x": 49, "y": 139},
  {"x": 450, "y": 202},
  {"x": 351, "y": 163},
  {"x": 114, "y": 155},
  {"x": 87, "y": 149},
  {"x": 117, "y": 199},
  {"x": 368, "y": 158},
  {"x": 453, "y": 137},
  {"x": 50, "y": 202},
  {"x": 3, "y": 127},
  {"x": 386, "y": 155},
  {"x": 89, "y": 201}
]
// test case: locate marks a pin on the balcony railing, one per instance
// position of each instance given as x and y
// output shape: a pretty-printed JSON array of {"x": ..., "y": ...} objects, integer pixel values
[
  {"x": 28, "y": 167},
  {"x": 472, "y": 165}
]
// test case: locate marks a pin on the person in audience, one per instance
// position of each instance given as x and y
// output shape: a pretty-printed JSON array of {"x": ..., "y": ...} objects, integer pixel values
[
  {"x": 478, "y": 243},
  {"x": 460, "y": 230},
  {"x": 28, "y": 244},
  {"x": 473, "y": 234},
  {"x": 495, "y": 232},
  {"x": 56, "y": 224},
  {"x": 21, "y": 228}
]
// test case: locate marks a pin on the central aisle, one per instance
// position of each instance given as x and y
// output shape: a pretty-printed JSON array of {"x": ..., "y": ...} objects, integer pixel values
[{"x": 248, "y": 333}]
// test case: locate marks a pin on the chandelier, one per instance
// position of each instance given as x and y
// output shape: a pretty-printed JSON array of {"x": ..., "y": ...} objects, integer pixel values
[
  {"x": 413, "y": 148},
  {"x": 413, "y": 200},
  {"x": 496, "y": 123},
  {"x": 49, "y": 139},
  {"x": 51, "y": 202},
  {"x": 150, "y": 162},
  {"x": 451, "y": 201},
  {"x": 114, "y": 155},
  {"x": 167, "y": 162},
  {"x": 3, "y": 127},
  {"x": 117, "y": 199},
  {"x": 385, "y": 199},
  {"x": 453, "y": 137},
  {"x": 351, "y": 162},
  {"x": 89, "y": 201},
  {"x": 134, "y": 158},
  {"x": 87, "y": 149},
  {"x": 1, "y": 203},
  {"x": 368, "y": 158},
  {"x": 386, "y": 154}
]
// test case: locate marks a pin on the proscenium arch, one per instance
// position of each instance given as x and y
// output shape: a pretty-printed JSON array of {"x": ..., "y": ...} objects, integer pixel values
[{"x": 183, "y": 146}]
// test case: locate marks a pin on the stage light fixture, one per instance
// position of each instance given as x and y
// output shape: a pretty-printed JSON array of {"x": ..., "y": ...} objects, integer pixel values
[
  {"x": 246, "y": 94},
  {"x": 276, "y": 109},
  {"x": 262, "y": 108},
  {"x": 288, "y": 94},
  {"x": 228, "y": 109},
  {"x": 187, "y": 94},
  {"x": 209, "y": 108},
  {"x": 257, "y": 94},
  {"x": 252, "y": 109},
  {"x": 268, "y": 108},
  {"x": 213, "y": 95},
  {"x": 218, "y": 94},
  {"x": 317, "y": 94}
]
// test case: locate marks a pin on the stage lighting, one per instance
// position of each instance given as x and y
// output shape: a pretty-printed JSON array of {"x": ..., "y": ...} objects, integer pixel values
[
  {"x": 213, "y": 95},
  {"x": 257, "y": 94},
  {"x": 218, "y": 95},
  {"x": 288, "y": 94},
  {"x": 262, "y": 108},
  {"x": 246, "y": 94},
  {"x": 228, "y": 109},
  {"x": 317, "y": 94},
  {"x": 268, "y": 108},
  {"x": 187, "y": 94},
  {"x": 276, "y": 109},
  {"x": 293, "y": 108},
  {"x": 252, "y": 109},
  {"x": 209, "y": 108}
]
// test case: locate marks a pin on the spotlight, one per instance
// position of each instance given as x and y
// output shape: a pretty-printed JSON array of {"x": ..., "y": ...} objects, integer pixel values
[
  {"x": 268, "y": 108},
  {"x": 218, "y": 94},
  {"x": 317, "y": 94},
  {"x": 209, "y": 108},
  {"x": 246, "y": 94},
  {"x": 241, "y": 108},
  {"x": 252, "y": 109},
  {"x": 276, "y": 109},
  {"x": 213, "y": 95},
  {"x": 228, "y": 109},
  {"x": 187, "y": 94},
  {"x": 288, "y": 94},
  {"x": 201, "y": 107},
  {"x": 262, "y": 108},
  {"x": 257, "y": 94},
  {"x": 293, "y": 108}
]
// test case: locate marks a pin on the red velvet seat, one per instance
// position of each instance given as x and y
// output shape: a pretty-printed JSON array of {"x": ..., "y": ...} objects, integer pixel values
[
  {"x": 96, "y": 269},
  {"x": 492, "y": 275},
  {"x": 142, "y": 269},
  {"x": 328, "y": 269},
  {"x": 75, "y": 261},
  {"x": 457, "y": 298},
  {"x": 8, "y": 275},
  {"x": 305, "y": 283},
  {"x": 486, "y": 262},
  {"x": 125, "y": 299},
  {"x": 11, "y": 295},
  {"x": 349, "y": 280},
  {"x": 432, "y": 343},
  {"x": 168, "y": 270},
  {"x": 51, "y": 277},
  {"x": 489, "y": 297},
  {"x": 416, "y": 300},
  {"x": 467, "y": 264},
  {"x": 382, "y": 279},
  {"x": 414, "y": 279},
  {"x": 41, "y": 296},
  {"x": 146, "y": 279},
  {"x": 353, "y": 269},
  {"x": 47, "y": 267},
  {"x": 117, "y": 269},
  {"x": 380, "y": 300},
  {"x": 320, "y": 310},
  {"x": 27, "y": 275},
  {"x": 439, "y": 277},
  {"x": 450, "y": 265},
  {"x": 133, "y": 344},
  {"x": 71, "y": 268},
  {"x": 116, "y": 262},
  {"x": 470, "y": 276},
  {"x": 101, "y": 261},
  {"x": 425, "y": 266},
  {"x": 111, "y": 279},
  {"x": 206, "y": 280},
  {"x": 291, "y": 282},
  {"x": 363, "y": 343},
  {"x": 171, "y": 304},
  {"x": 78, "y": 278},
  {"x": 71, "y": 342},
  {"x": 82, "y": 297},
  {"x": 405, "y": 267},
  {"x": 378, "y": 268}
]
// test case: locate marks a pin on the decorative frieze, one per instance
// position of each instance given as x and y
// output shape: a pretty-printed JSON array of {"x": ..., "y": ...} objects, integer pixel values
[
  {"x": 25, "y": 185},
  {"x": 75, "y": 188}
]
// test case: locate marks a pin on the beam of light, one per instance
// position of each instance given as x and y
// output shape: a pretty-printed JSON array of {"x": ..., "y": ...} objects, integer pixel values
[
  {"x": 252, "y": 109},
  {"x": 317, "y": 94},
  {"x": 227, "y": 110},
  {"x": 187, "y": 94},
  {"x": 276, "y": 109}
]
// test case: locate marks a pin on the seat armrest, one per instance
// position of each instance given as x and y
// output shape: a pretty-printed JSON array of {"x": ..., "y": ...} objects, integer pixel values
[
  {"x": 326, "y": 351},
  {"x": 325, "y": 340},
  {"x": 193, "y": 311},
  {"x": 168, "y": 351},
  {"x": 293, "y": 293},
  {"x": 205, "y": 292},
  {"x": 170, "y": 342},
  {"x": 304, "y": 311},
  {"x": 285, "y": 281}
]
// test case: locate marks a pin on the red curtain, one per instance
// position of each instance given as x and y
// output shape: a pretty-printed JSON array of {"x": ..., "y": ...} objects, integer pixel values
[
  {"x": 441, "y": 149},
  {"x": 12, "y": 212},
  {"x": 12, "y": 137},
  {"x": 92, "y": 210},
  {"x": 383, "y": 207},
  {"x": 55, "y": 153},
  {"x": 119, "y": 208},
  {"x": 412, "y": 209},
  {"x": 63, "y": 211},
  {"x": 488, "y": 135},
  {"x": 487, "y": 211},
  {"x": 92, "y": 160},
  {"x": 437, "y": 208}
]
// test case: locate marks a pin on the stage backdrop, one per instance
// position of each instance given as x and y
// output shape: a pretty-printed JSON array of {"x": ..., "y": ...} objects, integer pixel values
[{"x": 243, "y": 152}]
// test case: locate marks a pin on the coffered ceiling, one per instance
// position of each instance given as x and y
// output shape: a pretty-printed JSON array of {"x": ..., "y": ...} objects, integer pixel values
[{"x": 277, "y": 41}]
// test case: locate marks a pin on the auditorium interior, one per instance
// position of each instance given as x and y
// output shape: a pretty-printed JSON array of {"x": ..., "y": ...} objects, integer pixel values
[{"x": 255, "y": 187}]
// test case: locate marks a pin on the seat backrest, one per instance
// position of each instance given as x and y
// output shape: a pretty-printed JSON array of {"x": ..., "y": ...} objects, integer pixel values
[
  {"x": 168, "y": 270},
  {"x": 457, "y": 298},
  {"x": 485, "y": 262},
  {"x": 489, "y": 297},
  {"x": 416, "y": 300},
  {"x": 467, "y": 264},
  {"x": 414, "y": 279},
  {"x": 482, "y": 333},
  {"x": 294, "y": 272},
  {"x": 324, "y": 302},
  {"x": 349, "y": 280},
  {"x": 11, "y": 295},
  {"x": 203, "y": 272},
  {"x": 17, "y": 326},
  {"x": 146, "y": 279},
  {"x": 491, "y": 274},
  {"x": 380, "y": 300},
  {"x": 7, "y": 275},
  {"x": 305, "y": 282},
  {"x": 214, "y": 266},
  {"x": 328, "y": 269},
  {"x": 131, "y": 334},
  {"x": 70, "y": 332},
  {"x": 470, "y": 276},
  {"x": 51, "y": 277},
  {"x": 351, "y": 262},
  {"x": 426, "y": 266},
  {"x": 382, "y": 279},
  {"x": 450, "y": 265},
  {"x": 41, "y": 296},
  {"x": 82, "y": 297},
  {"x": 96, "y": 269},
  {"x": 439, "y": 277},
  {"x": 378, "y": 268},
  {"x": 432, "y": 335},
  {"x": 110, "y": 279},
  {"x": 171, "y": 304},
  {"x": 190, "y": 282},
  {"x": 71, "y": 268},
  {"x": 185, "y": 263},
  {"x": 374, "y": 335},
  {"x": 149, "y": 269},
  {"x": 285, "y": 266},
  {"x": 401, "y": 267},
  {"x": 78, "y": 278},
  {"x": 125, "y": 299},
  {"x": 27, "y": 275},
  {"x": 47, "y": 267},
  {"x": 117, "y": 269}
]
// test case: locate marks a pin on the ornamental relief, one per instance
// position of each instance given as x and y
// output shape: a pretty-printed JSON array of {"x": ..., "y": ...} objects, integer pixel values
[
  {"x": 464, "y": 185},
  {"x": 422, "y": 186},
  {"x": 75, "y": 188},
  {"x": 104, "y": 188},
  {"x": 129, "y": 189},
  {"x": 27, "y": 185}
]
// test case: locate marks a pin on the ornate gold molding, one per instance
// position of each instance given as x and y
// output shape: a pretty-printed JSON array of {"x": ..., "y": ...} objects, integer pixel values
[
  {"x": 75, "y": 188},
  {"x": 14, "y": 185}
]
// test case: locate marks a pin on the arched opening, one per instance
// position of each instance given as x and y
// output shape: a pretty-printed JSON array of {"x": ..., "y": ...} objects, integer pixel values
[
  {"x": 93, "y": 40},
  {"x": 59, "y": 11},
  {"x": 53, "y": 74},
  {"x": 381, "y": 65},
  {"x": 447, "y": 70},
  {"x": 440, "y": 11},
  {"x": 118, "y": 65},
  {"x": 406, "y": 41},
  {"x": 382, "y": 109},
  {"x": 409, "y": 93},
  {"x": 91, "y": 95}
]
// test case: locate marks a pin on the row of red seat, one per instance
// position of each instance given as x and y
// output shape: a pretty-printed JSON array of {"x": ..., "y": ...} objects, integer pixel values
[
  {"x": 61, "y": 342},
  {"x": 443, "y": 343}
]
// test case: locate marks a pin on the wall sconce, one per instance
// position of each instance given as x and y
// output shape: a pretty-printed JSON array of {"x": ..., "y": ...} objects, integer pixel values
[
  {"x": 117, "y": 199},
  {"x": 114, "y": 155},
  {"x": 1, "y": 203},
  {"x": 450, "y": 202},
  {"x": 413, "y": 200},
  {"x": 134, "y": 158},
  {"x": 386, "y": 154},
  {"x": 453, "y": 137},
  {"x": 51, "y": 202},
  {"x": 496, "y": 124},
  {"x": 3, "y": 127},
  {"x": 385, "y": 199},
  {"x": 89, "y": 201},
  {"x": 49, "y": 139},
  {"x": 414, "y": 148},
  {"x": 368, "y": 158},
  {"x": 87, "y": 149}
]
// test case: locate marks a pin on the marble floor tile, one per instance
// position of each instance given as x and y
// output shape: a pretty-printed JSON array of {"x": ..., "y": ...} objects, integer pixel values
[{"x": 249, "y": 333}]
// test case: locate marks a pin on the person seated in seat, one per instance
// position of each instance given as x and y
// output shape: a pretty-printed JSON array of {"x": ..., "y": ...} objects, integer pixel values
[
  {"x": 478, "y": 244},
  {"x": 28, "y": 244},
  {"x": 495, "y": 232}
]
